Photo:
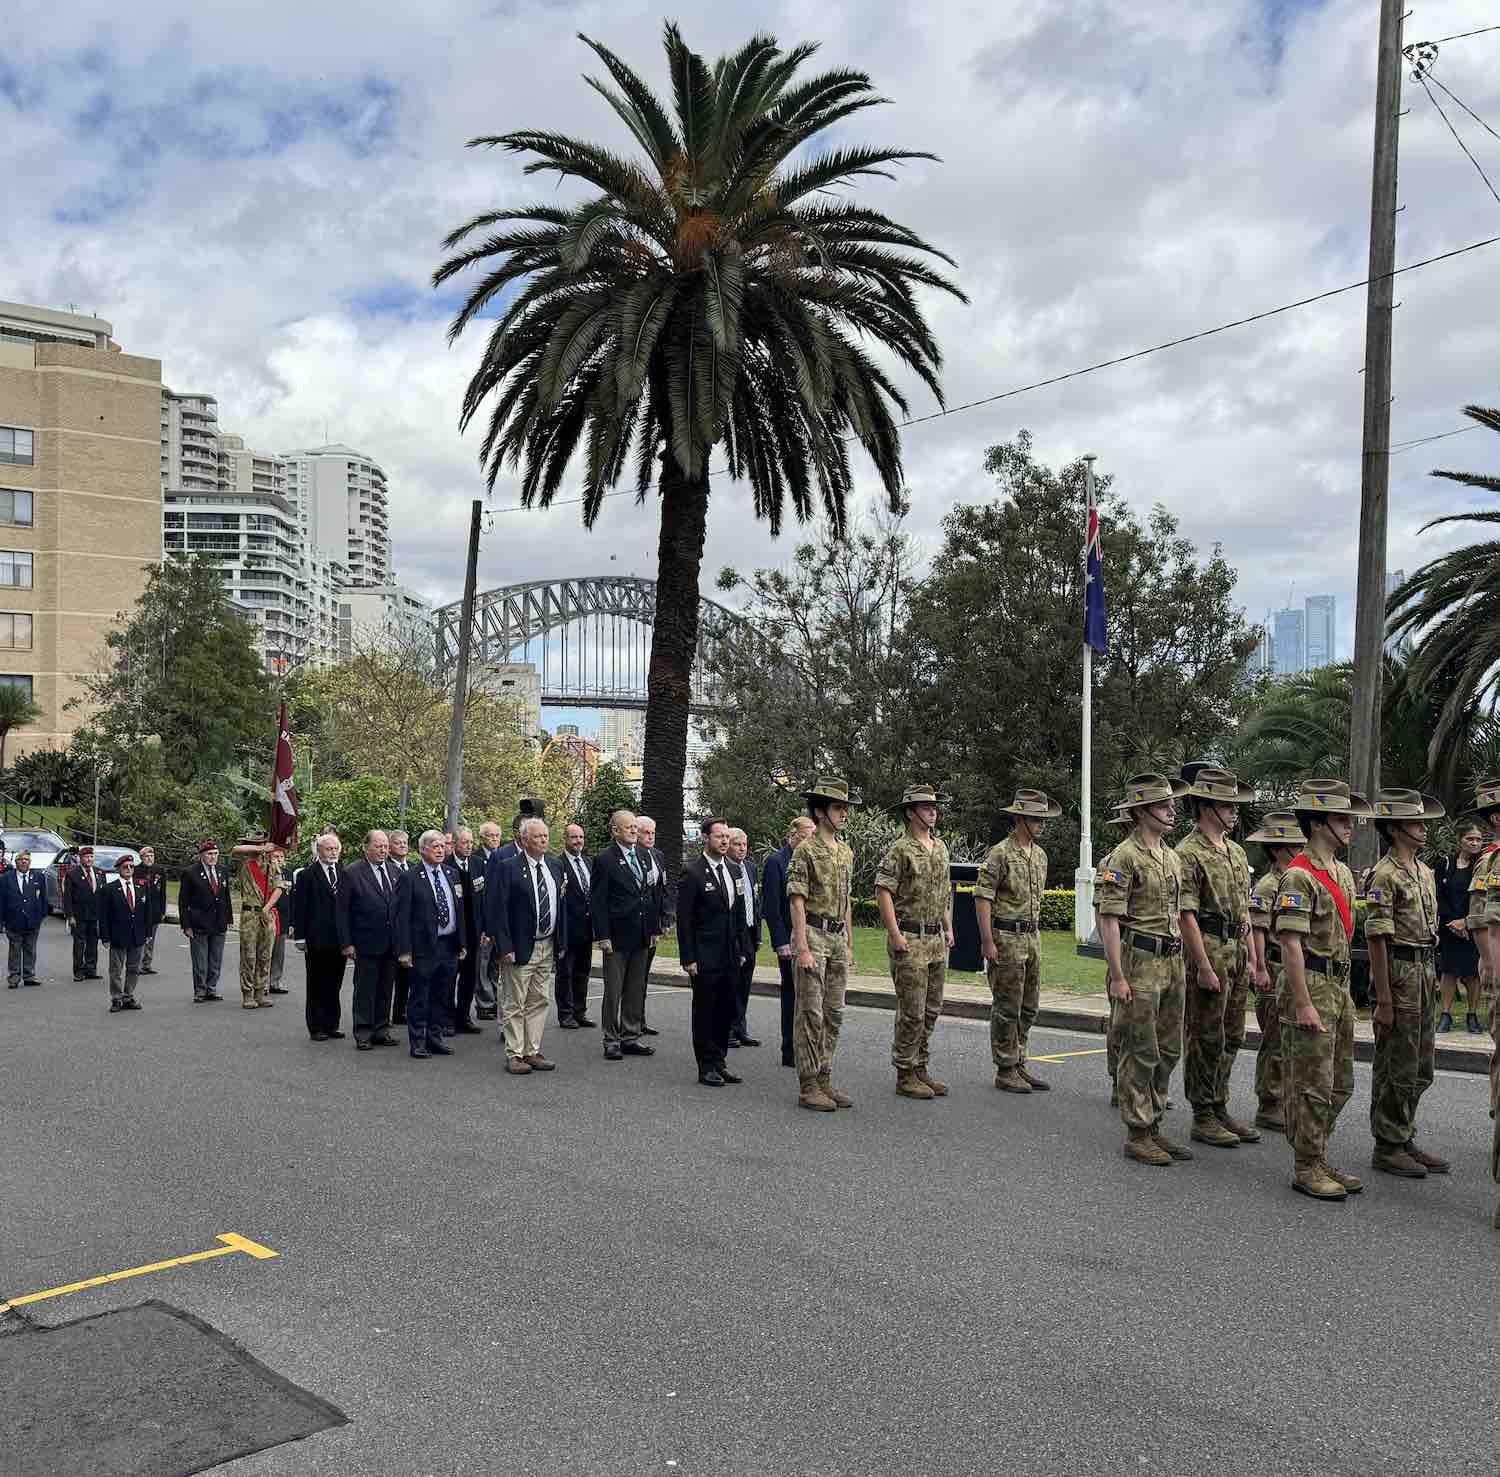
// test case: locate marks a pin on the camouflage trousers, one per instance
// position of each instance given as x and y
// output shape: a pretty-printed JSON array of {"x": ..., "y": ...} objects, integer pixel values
[
  {"x": 257, "y": 935},
  {"x": 1268, "y": 1070},
  {"x": 918, "y": 975},
  {"x": 820, "y": 1005},
  {"x": 1148, "y": 1030},
  {"x": 1319, "y": 1065},
  {"x": 1015, "y": 992},
  {"x": 1402, "y": 1067},
  {"x": 1214, "y": 1024}
]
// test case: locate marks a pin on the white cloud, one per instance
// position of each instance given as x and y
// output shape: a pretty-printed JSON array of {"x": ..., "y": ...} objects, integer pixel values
[{"x": 255, "y": 194}]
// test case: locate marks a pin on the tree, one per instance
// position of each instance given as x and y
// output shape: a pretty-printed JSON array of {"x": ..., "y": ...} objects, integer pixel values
[
  {"x": 1451, "y": 609},
  {"x": 50, "y": 777},
  {"x": 184, "y": 670},
  {"x": 609, "y": 792},
  {"x": 16, "y": 711},
  {"x": 713, "y": 293},
  {"x": 350, "y": 808}
]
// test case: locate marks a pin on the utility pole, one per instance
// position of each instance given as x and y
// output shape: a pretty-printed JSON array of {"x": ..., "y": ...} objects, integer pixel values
[
  {"x": 1369, "y": 598},
  {"x": 461, "y": 676}
]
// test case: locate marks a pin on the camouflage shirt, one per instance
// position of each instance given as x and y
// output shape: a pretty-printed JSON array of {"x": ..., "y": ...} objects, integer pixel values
[
  {"x": 1484, "y": 890},
  {"x": 1013, "y": 878},
  {"x": 1401, "y": 902},
  {"x": 1215, "y": 884},
  {"x": 820, "y": 874},
  {"x": 245, "y": 888},
  {"x": 1304, "y": 906},
  {"x": 1263, "y": 898},
  {"x": 916, "y": 878},
  {"x": 1142, "y": 886}
]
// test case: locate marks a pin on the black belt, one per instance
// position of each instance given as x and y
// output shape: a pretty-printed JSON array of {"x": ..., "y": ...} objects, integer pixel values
[
  {"x": 1320, "y": 964},
  {"x": 825, "y": 925},
  {"x": 1222, "y": 928},
  {"x": 1012, "y": 925},
  {"x": 908, "y": 925},
  {"x": 1150, "y": 943},
  {"x": 1415, "y": 953}
]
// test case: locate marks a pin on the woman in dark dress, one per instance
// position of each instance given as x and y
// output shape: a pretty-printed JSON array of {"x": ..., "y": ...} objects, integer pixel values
[{"x": 1458, "y": 959}]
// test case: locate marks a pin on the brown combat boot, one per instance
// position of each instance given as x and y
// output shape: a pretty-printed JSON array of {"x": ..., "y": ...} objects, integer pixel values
[
  {"x": 825, "y": 1082},
  {"x": 1242, "y": 1131},
  {"x": 1312, "y": 1179},
  {"x": 1170, "y": 1146},
  {"x": 1432, "y": 1163},
  {"x": 1270, "y": 1116},
  {"x": 1009, "y": 1079},
  {"x": 1208, "y": 1130},
  {"x": 939, "y": 1089},
  {"x": 1140, "y": 1146},
  {"x": 1035, "y": 1083},
  {"x": 812, "y": 1096},
  {"x": 1351, "y": 1182},
  {"x": 908, "y": 1085},
  {"x": 1393, "y": 1159}
]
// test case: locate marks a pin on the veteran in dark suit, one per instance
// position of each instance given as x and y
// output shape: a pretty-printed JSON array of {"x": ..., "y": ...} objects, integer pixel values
[
  {"x": 430, "y": 943},
  {"x": 23, "y": 908},
  {"x": 369, "y": 894},
  {"x": 747, "y": 934},
  {"x": 655, "y": 864},
  {"x": 82, "y": 886},
  {"x": 778, "y": 916},
  {"x": 708, "y": 943},
  {"x": 204, "y": 908},
  {"x": 315, "y": 926},
  {"x": 464, "y": 869},
  {"x": 528, "y": 935},
  {"x": 575, "y": 958},
  {"x": 124, "y": 923},
  {"x": 624, "y": 912}
]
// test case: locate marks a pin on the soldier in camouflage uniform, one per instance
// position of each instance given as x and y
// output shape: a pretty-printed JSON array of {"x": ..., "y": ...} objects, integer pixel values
[
  {"x": 258, "y": 896},
  {"x": 915, "y": 897},
  {"x": 1312, "y": 922},
  {"x": 1281, "y": 838},
  {"x": 1138, "y": 899},
  {"x": 1401, "y": 929},
  {"x": 817, "y": 890},
  {"x": 1216, "y": 949},
  {"x": 1008, "y": 910}
]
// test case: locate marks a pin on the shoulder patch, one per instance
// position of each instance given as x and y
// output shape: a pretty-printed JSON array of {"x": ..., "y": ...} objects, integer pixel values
[
  {"x": 1376, "y": 895},
  {"x": 1117, "y": 877},
  {"x": 1291, "y": 900}
]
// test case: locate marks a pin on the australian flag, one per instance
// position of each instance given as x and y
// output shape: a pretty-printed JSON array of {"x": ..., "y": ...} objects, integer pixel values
[{"x": 1093, "y": 595}]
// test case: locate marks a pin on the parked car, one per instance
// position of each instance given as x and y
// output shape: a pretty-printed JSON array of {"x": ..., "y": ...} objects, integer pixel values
[
  {"x": 45, "y": 848},
  {"x": 105, "y": 858}
]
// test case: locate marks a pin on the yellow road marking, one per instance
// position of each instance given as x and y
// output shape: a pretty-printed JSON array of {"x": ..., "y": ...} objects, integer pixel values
[
  {"x": 1058, "y": 1056},
  {"x": 232, "y": 1243}
]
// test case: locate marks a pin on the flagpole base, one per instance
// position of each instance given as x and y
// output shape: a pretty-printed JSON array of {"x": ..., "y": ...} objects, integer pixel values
[{"x": 1083, "y": 904}]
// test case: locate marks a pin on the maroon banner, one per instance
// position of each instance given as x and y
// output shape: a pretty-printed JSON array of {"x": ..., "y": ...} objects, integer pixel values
[{"x": 284, "y": 803}]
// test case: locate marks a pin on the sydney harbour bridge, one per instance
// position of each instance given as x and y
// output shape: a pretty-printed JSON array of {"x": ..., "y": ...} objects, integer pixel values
[{"x": 589, "y": 639}]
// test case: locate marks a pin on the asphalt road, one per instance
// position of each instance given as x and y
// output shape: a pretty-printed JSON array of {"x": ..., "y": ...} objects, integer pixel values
[{"x": 612, "y": 1270}]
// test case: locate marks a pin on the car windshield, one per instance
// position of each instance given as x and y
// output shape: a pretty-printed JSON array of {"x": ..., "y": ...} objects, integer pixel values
[{"x": 34, "y": 841}]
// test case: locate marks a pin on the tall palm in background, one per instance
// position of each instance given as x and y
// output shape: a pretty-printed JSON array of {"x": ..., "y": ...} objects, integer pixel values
[
  {"x": 714, "y": 293},
  {"x": 1451, "y": 609}
]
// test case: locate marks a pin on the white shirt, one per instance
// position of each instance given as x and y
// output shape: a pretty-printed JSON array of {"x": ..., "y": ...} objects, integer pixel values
[
  {"x": 541, "y": 876},
  {"x": 749, "y": 895},
  {"x": 580, "y": 870}
]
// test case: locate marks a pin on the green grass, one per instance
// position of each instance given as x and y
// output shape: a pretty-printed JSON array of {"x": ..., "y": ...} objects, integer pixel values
[
  {"x": 1062, "y": 969},
  {"x": 39, "y": 818}
]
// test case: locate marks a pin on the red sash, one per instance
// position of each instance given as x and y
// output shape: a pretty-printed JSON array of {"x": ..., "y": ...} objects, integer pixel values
[
  {"x": 263, "y": 887},
  {"x": 1305, "y": 863}
]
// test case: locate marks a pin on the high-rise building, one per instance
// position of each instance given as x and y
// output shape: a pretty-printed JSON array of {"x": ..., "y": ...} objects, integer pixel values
[
  {"x": 384, "y": 614},
  {"x": 1287, "y": 642},
  {"x": 1394, "y": 579},
  {"x": 1322, "y": 631},
  {"x": 342, "y": 505},
  {"x": 622, "y": 734},
  {"x": 80, "y": 505}
]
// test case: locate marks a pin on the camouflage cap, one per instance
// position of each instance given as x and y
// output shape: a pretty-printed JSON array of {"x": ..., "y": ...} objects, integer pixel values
[
  {"x": 919, "y": 795},
  {"x": 1034, "y": 804},
  {"x": 1218, "y": 785},
  {"x": 1407, "y": 805},
  {"x": 1333, "y": 796},
  {"x": 1278, "y": 828},
  {"x": 831, "y": 787},
  {"x": 1146, "y": 789},
  {"x": 1486, "y": 797}
]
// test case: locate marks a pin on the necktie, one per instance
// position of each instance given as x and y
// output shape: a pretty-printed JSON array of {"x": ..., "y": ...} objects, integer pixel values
[
  {"x": 333, "y": 877},
  {"x": 723, "y": 873},
  {"x": 440, "y": 894},
  {"x": 91, "y": 879},
  {"x": 543, "y": 904},
  {"x": 384, "y": 880},
  {"x": 635, "y": 863},
  {"x": 582, "y": 873},
  {"x": 213, "y": 880}
]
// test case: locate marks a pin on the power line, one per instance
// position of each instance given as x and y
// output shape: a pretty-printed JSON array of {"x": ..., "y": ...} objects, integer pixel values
[
  {"x": 1422, "y": 78},
  {"x": 1470, "y": 111},
  {"x": 1423, "y": 440},
  {"x": 1463, "y": 35},
  {"x": 1072, "y": 374}
]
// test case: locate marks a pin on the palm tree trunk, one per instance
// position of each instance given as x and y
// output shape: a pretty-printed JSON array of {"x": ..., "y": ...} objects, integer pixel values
[{"x": 674, "y": 643}]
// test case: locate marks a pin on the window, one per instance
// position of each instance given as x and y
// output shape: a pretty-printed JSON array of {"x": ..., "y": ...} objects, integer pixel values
[
  {"x": 15, "y": 569},
  {"x": 15, "y": 631},
  {"x": 15, "y": 508},
  {"x": 8, "y": 679},
  {"x": 16, "y": 446}
]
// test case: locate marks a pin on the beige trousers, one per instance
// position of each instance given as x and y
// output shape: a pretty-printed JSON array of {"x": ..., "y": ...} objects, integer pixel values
[{"x": 527, "y": 994}]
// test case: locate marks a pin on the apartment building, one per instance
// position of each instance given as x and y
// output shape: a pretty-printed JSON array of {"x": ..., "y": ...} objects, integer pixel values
[
  {"x": 80, "y": 504},
  {"x": 343, "y": 508},
  {"x": 384, "y": 613}
]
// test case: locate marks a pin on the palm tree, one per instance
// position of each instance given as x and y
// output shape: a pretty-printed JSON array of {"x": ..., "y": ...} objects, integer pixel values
[
  {"x": 16, "y": 711},
  {"x": 715, "y": 292},
  {"x": 1451, "y": 609}
]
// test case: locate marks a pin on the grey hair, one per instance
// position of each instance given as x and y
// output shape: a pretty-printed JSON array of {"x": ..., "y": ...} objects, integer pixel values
[
  {"x": 530, "y": 824},
  {"x": 614, "y": 817},
  {"x": 328, "y": 838},
  {"x": 463, "y": 831},
  {"x": 736, "y": 834},
  {"x": 404, "y": 835},
  {"x": 425, "y": 837},
  {"x": 644, "y": 820}
]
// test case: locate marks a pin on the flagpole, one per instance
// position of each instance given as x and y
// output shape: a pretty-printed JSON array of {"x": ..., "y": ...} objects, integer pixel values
[{"x": 1083, "y": 878}]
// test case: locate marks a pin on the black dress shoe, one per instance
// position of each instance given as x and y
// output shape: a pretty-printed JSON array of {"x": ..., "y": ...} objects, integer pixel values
[
  {"x": 320, "y": 1035},
  {"x": 420, "y": 1051},
  {"x": 636, "y": 1048},
  {"x": 115, "y": 1006},
  {"x": 584, "y": 1023},
  {"x": 335, "y": 1035},
  {"x": 274, "y": 989},
  {"x": 485, "y": 1015},
  {"x": 382, "y": 1038},
  {"x": 733, "y": 1041},
  {"x": 649, "y": 1031},
  {"x": 212, "y": 995},
  {"x": 438, "y": 1048},
  {"x": 78, "y": 979},
  {"x": 31, "y": 982},
  {"x": 93, "y": 976},
  {"x": 131, "y": 1003},
  {"x": 14, "y": 985},
  {"x": 566, "y": 1023},
  {"x": 711, "y": 1079},
  {"x": 612, "y": 1052},
  {"x": 729, "y": 1076},
  {"x": 363, "y": 1045},
  {"x": 147, "y": 970},
  {"x": 788, "y": 1061},
  {"x": 467, "y": 1028},
  {"x": 748, "y": 1041}
]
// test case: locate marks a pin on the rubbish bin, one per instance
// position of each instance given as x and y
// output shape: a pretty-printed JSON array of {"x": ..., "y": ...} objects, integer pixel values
[{"x": 965, "y": 953}]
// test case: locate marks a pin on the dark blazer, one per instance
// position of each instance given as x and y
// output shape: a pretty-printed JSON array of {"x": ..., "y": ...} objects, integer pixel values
[
  {"x": 751, "y": 931},
  {"x": 706, "y": 931},
  {"x": 152, "y": 881},
  {"x": 492, "y": 889},
  {"x": 197, "y": 907},
  {"x": 119, "y": 924},
  {"x": 22, "y": 907},
  {"x": 624, "y": 910},
  {"x": 462, "y": 879},
  {"x": 80, "y": 904},
  {"x": 516, "y": 931},
  {"x": 315, "y": 906},
  {"x": 417, "y": 917},
  {"x": 773, "y": 904},
  {"x": 661, "y": 897},
  {"x": 366, "y": 914}
]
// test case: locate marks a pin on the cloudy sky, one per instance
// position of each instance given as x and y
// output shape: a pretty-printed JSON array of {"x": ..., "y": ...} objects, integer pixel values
[{"x": 255, "y": 194}]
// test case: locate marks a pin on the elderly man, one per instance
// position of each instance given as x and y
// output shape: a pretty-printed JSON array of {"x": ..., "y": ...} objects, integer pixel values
[
  {"x": 152, "y": 881},
  {"x": 399, "y": 860},
  {"x": 123, "y": 917},
  {"x": 529, "y": 931},
  {"x": 746, "y": 933},
  {"x": 779, "y": 926},
  {"x": 624, "y": 916},
  {"x": 574, "y": 959},
  {"x": 23, "y": 907},
  {"x": 430, "y": 943},
  {"x": 81, "y": 888},
  {"x": 487, "y": 970},
  {"x": 204, "y": 907},
  {"x": 316, "y": 927},
  {"x": 709, "y": 929},
  {"x": 463, "y": 867},
  {"x": 656, "y": 879},
  {"x": 368, "y": 899}
]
